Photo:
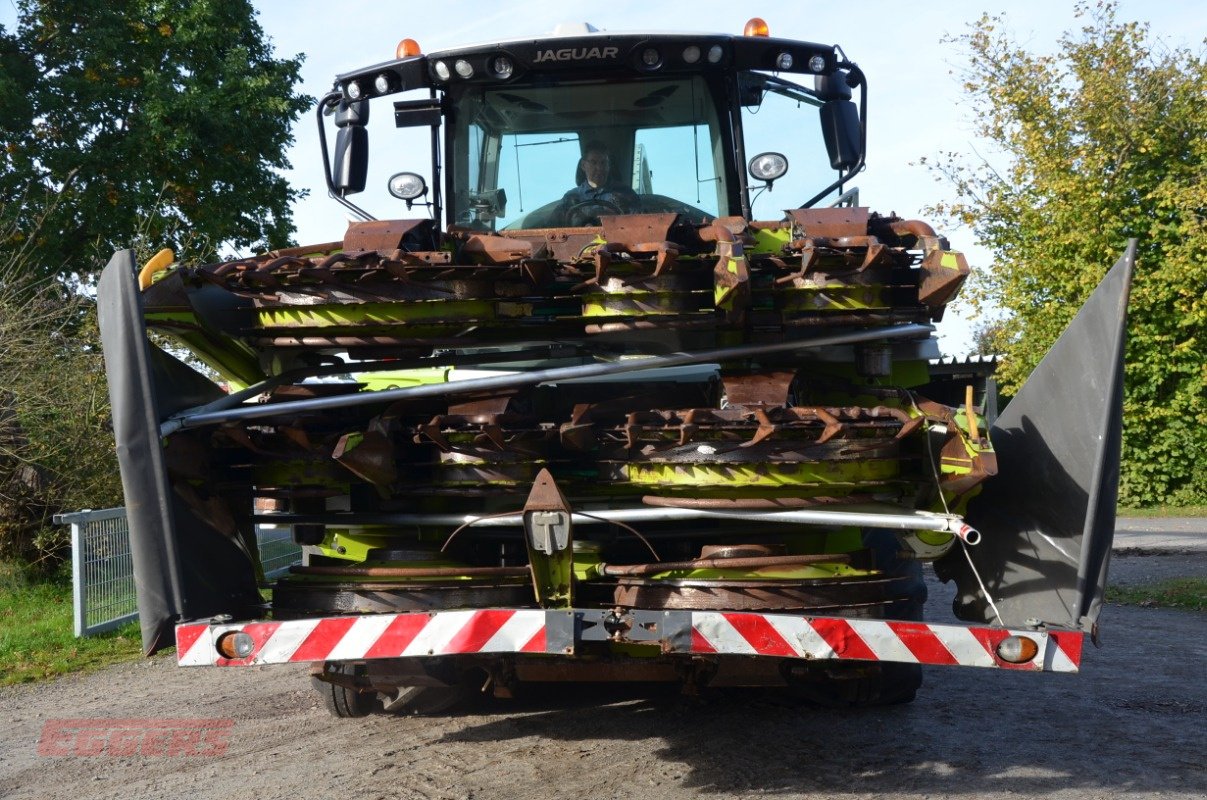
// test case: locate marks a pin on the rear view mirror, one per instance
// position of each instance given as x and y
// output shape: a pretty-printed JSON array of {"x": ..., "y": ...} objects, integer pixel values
[
  {"x": 350, "y": 169},
  {"x": 841, "y": 129}
]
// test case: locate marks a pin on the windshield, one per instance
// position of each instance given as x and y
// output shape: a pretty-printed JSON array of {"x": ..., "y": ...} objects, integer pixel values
[
  {"x": 779, "y": 116},
  {"x": 554, "y": 156}
]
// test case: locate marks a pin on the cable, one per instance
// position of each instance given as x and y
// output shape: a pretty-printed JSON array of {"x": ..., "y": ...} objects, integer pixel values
[
  {"x": 628, "y": 528},
  {"x": 930, "y": 458}
]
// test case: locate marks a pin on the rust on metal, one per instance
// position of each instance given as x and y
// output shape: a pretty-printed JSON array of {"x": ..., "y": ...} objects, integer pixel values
[
  {"x": 628, "y": 230},
  {"x": 385, "y": 234},
  {"x": 413, "y": 572},
  {"x": 765, "y": 388},
  {"x": 727, "y": 562},
  {"x": 829, "y": 223},
  {"x": 939, "y": 282},
  {"x": 481, "y": 248}
]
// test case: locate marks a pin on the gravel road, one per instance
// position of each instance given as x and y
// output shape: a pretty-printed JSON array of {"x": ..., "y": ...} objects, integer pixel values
[{"x": 1131, "y": 725}]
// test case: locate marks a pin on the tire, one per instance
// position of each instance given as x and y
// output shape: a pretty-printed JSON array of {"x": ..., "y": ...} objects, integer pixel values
[
  {"x": 864, "y": 685},
  {"x": 867, "y": 684},
  {"x": 343, "y": 701}
]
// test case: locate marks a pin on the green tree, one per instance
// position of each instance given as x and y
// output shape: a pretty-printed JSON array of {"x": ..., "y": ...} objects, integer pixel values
[
  {"x": 170, "y": 117},
  {"x": 1103, "y": 141},
  {"x": 56, "y": 449}
]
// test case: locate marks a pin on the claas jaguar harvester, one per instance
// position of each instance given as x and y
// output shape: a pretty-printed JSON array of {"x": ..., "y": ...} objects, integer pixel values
[{"x": 624, "y": 384}]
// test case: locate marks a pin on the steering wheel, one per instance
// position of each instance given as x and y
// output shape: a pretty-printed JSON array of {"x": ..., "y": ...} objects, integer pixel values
[{"x": 587, "y": 212}]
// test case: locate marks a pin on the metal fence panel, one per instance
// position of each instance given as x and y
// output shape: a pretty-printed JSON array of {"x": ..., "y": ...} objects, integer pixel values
[{"x": 102, "y": 573}]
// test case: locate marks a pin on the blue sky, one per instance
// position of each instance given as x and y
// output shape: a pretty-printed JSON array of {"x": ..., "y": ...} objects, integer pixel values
[{"x": 916, "y": 109}]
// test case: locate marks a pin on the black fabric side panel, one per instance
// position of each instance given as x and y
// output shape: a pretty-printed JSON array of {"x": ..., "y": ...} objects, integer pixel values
[
  {"x": 1047, "y": 518},
  {"x": 136, "y": 429},
  {"x": 184, "y": 568}
]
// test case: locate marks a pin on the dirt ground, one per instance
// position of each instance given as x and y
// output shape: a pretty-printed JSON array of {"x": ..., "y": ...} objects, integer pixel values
[{"x": 1131, "y": 725}]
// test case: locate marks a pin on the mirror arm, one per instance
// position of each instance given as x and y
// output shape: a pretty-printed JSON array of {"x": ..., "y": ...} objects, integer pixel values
[{"x": 854, "y": 78}]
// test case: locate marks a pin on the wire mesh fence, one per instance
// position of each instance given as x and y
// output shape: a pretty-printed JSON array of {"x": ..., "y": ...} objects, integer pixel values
[{"x": 102, "y": 571}]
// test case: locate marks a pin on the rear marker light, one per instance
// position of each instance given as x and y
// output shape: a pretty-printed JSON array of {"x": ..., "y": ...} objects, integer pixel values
[
  {"x": 236, "y": 644},
  {"x": 1017, "y": 649}
]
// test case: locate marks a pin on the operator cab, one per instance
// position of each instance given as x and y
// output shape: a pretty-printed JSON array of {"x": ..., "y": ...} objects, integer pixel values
[{"x": 703, "y": 126}]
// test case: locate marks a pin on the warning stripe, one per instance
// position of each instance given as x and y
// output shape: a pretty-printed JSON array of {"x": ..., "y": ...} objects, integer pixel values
[
  {"x": 923, "y": 643},
  {"x": 842, "y": 638},
  {"x": 371, "y": 636}
]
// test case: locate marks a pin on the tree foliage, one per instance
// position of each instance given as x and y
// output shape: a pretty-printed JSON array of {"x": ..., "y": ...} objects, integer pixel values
[
  {"x": 1104, "y": 141},
  {"x": 169, "y": 116},
  {"x": 56, "y": 448}
]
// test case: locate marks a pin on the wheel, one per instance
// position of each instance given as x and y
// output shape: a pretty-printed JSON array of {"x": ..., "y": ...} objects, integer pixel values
[
  {"x": 860, "y": 685},
  {"x": 588, "y": 212},
  {"x": 425, "y": 700},
  {"x": 344, "y": 701},
  {"x": 867, "y": 684}
]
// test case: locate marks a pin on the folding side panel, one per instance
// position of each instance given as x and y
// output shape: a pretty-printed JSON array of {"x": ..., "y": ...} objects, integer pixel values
[
  {"x": 184, "y": 567},
  {"x": 1048, "y": 516}
]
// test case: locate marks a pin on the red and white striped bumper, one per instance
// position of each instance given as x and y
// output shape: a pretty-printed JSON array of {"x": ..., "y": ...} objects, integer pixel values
[{"x": 536, "y": 631}]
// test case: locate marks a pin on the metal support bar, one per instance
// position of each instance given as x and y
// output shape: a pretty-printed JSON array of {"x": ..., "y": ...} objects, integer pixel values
[
  {"x": 191, "y": 419},
  {"x": 867, "y": 518}
]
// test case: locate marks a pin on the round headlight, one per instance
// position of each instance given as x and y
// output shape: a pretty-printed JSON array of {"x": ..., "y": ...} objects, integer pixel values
[
  {"x": 502, "y": 67},
  {"x": 464, "y": 68},
  {"x": 691, "y": 54},
  {"x": 714, "y": 54},
  {"x": 768, "y": 166},
  {"x": 817, "y": 63},
  {"x": 407, "y": 186},
  {"x": 383, "y": 83},
  {"x": 354, "y": 90},
  {"x": 783, "y": 61},
  {"x": 651, "y": 57},
  {"x": 441, "y": 70}
]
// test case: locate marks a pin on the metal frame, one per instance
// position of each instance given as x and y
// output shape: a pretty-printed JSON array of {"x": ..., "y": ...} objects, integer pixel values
[{"x": 117, "y": 567}]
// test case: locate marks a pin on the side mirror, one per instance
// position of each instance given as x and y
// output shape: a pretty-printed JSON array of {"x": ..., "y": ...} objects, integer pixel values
[
  {"x": 350, "y": 169},
  {"x": 843, "y": 134}
]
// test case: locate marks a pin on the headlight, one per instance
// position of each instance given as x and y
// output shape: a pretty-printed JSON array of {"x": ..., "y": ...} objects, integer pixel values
[
  {"x": 768, "y": 166},
  {"x": 407, "y": 186}
]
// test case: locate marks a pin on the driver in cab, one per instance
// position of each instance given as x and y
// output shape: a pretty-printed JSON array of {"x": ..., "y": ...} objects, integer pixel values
[{"x": 597, "y": 194}]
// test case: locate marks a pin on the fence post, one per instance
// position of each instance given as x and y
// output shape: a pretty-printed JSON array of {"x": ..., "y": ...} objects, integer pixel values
[{"x": 77, "y": 580}]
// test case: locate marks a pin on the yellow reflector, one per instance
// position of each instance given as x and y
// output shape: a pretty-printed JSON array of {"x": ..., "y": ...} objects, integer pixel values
[
  {"x": 756, "y": 27},
  {"x": 158, "y": 263},
  {"x": 407, "y": 48},
  {"x": 1017, "y": 649}
]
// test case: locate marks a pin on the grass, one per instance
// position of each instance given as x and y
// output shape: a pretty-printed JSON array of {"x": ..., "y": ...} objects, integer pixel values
[
  {"x": 1163, "y": 511},
  {"x": 37, "y": 640},
  {"x": 1184, "y": 593}
]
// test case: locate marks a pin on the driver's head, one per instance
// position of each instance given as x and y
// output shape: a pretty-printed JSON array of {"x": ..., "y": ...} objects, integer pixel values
[{"x": 595, "y": 163}]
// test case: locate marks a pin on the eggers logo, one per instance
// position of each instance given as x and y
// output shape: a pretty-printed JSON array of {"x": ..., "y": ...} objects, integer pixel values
[
  {"x": 575, "y": 54},
  {"x": 157, "y": 738}
]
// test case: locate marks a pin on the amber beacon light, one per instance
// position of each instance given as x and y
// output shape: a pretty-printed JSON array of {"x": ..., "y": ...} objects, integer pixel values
[
  {"x": 409, "y": 47},
  {"x": 756, "y": 27}
]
